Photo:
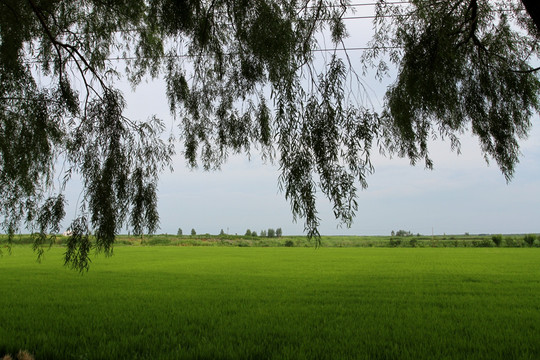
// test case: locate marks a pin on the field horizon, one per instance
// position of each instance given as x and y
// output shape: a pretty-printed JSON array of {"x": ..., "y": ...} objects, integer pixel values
[{"x": 411, "y": 240}]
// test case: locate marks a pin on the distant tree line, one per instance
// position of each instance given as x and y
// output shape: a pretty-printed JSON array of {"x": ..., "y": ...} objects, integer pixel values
[{"x": 270, "y": 233}]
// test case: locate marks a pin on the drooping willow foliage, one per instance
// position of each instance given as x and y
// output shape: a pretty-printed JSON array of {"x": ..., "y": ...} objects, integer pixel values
[
  {"x": 241, "y": 75},
  {"x": 467, "y": 64}
]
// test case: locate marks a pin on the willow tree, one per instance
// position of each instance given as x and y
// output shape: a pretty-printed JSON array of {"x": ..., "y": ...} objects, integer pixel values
[
  {"x": 242, "y": 75},
  {"x": 462, "y": 65}
]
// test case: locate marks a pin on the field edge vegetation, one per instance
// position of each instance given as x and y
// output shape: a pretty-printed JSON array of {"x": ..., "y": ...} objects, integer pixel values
[{"x": 512, "y": 240}]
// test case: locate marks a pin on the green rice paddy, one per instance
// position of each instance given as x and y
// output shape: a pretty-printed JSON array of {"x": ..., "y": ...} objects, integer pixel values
[{"x": 171, "y": 302}]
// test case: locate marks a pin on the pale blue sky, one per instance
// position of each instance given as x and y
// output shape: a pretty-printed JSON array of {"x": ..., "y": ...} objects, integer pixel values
[{"x": 462, "y": 193}]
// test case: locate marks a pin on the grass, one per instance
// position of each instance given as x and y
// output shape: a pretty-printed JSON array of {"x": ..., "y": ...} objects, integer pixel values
[{"x": 166, "y": 302}]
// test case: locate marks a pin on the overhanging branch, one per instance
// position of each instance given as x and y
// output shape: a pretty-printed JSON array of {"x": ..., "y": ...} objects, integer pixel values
[
  {"x": 533, "y": 9},
  {"x": 72, "y": 51}
]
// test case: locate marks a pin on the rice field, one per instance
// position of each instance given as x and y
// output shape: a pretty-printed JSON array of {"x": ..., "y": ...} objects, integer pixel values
[{"x": 169, "y": 302}]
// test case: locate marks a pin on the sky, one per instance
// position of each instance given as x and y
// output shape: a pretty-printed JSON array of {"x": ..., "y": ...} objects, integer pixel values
[{"x": 462, "y": 194}]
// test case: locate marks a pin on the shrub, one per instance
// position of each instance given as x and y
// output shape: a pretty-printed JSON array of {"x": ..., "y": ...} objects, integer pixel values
[
  {"x": 61, "y": 240},
  {"x": 248, "y": 233},
  {"x": 497, "y": 239},
  {"x": 158, "y": 241},
  {"x": 395, "y": 242},
  {"x": 413, "y": 242},
  {"x": 509, "y": 241},
  {"x": 483, "y": 243},
  {"x": 289, "y": 243},
  {"x": 529, "y": 239}
]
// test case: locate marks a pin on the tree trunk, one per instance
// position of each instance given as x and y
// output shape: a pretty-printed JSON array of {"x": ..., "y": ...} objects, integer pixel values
[{"x": 533, "y": 9}]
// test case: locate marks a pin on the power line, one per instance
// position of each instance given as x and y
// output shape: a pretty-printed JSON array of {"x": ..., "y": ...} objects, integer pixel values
[
  {"x": 180, "y": 56},
  {"x": 186, "y": 56},
  {"x": 361, "y": 17},
  {"x": 363, "y": 4},
  {"x": 376, "y": 3},
  {"x": 346, "y": 49}
]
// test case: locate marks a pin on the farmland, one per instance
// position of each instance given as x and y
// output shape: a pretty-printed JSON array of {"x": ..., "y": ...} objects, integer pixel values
[{"x": 220, "y": 302}]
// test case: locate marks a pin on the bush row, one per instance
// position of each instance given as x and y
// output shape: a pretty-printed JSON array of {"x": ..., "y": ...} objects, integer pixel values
[{"x": 530, "y": 240}]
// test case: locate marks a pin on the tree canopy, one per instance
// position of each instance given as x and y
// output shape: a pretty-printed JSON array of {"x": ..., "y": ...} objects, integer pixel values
[{"x": 243, "y": 75}]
